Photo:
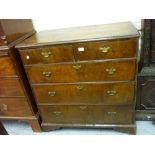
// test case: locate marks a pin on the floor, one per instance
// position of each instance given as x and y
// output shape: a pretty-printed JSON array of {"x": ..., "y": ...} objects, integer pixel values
[{"x": 15, "y": 128}]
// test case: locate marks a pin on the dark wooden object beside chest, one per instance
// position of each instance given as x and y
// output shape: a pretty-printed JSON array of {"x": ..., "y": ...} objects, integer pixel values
[
  {"x": 16, "y": 99},
  {"x": 146, "y": 94},
  {"x": 146, "y": 78},
  {"x": 84, "y": 76}
]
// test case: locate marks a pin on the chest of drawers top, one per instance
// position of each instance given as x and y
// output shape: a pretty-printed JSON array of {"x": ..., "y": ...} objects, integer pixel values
[{"x": 81, "y": 34}]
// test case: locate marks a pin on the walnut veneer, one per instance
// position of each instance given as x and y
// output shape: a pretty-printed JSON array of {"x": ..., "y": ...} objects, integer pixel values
[
  {"x": 84, "y": 76},
  {"x": 16, "y": 99}
]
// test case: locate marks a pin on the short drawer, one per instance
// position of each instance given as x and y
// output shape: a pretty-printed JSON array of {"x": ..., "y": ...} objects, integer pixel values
[
  {"x": 87, "y": 114},
  {"x": 125, "y": 48},
  {"x": 10, "y": 87},
  {"x": 84, "y": 93},
  {"x": 7, "y": 67},
  {"x": 81, "y": 72},
  {"x": 47, "y": 55},
  {"x": 14, "y": 107}
]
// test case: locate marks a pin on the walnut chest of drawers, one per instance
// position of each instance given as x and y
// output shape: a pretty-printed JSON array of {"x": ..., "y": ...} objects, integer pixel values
[
  {"x": 16, "y": 101},
  {"x": 84, "y": 76}
]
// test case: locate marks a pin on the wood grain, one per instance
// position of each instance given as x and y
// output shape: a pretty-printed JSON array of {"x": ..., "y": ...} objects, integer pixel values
[
  {"x": 7, "y": 67},
  {"x": 56, "y": 54},
  {"x": 10, "y": 88},
  {"x": 16, "y": 100},
  {"x": 89, "y": 71},
  {"x": 84, "y": 76},
  {"x": 86, "y": 94},
  {"x": 14, "y": 107},
  {"x": 90, "y": 115},
  {"x": 125, "y": 48}
]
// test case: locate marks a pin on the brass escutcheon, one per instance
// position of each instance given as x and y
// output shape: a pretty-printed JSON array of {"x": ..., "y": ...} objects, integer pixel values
[
  {"x": 77, "y": 66},
  {"x": 79, "y": 87}
]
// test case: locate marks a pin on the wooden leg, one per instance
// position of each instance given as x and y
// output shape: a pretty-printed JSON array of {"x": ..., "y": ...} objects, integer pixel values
[
  {"x": 2, "y": 130},
  {"x": 129, "y": 130},
  {"x": 35, "y": 125}
]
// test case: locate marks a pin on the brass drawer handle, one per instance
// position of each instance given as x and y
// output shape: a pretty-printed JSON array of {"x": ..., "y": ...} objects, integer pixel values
[
  {"x": 110, "y": 71},
  {"x": 83, "y": 107},
  {"x": 52, "y": 94},
  {"x": 57, "y": 113},
  {"x": 111, "y": 92},
  {"x": 46, "y": 54},
  {"x": 105, "y": 49},
  {"x": 77, "y": 66},
  {"x": 112, "y": 113},
  {"x": 3, "y": 107},
  {"x": 79, "y": 87},
  {"x": 47, "y": 74}
]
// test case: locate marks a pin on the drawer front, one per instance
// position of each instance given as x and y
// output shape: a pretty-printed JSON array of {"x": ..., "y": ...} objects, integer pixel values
[
  {"x": 126, "y": 48},
  {"x": 10, "y": 87},
  {"x": 71, "y": 94},
  {"x": 100, "y": 71},
  {"x": 14, "y": 108},
  {"x": 7, "y": 67},
  {"x": 87, "y": 114},
  {"x": 47, "y": 55}
]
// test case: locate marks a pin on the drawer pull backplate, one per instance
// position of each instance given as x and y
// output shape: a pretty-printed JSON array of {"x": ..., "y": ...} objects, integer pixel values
[
  {"x": 57, "y": 113},
  {"x": 83, "y": 107},
  {"x": 52, "y": 94},
  {"x": 112, "y": 113},
  {"x": 3, "y": 107},
  {"x": 47, "y": 74},
  {"x": 46, "y": 54},
  {"x": 104, "y": 49},
  {"x": 111, "y": 92},
  {"x": 110, "y": 71}
]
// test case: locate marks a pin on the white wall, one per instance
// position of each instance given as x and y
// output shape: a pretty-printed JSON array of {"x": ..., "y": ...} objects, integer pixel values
[{"x": 47, "y": 24}]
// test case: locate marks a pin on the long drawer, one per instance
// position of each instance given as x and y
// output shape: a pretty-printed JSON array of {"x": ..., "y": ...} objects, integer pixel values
[
  {"x": 14, "y": 107},
  {"x": 10, "y": 87},
  {"x": 7, "y": 67},
  {"x": 81, "y": 72},
  {"x": 87, "y": 114},
  {"x": 84, "y": 93},
  {"x": 98, "y": 50}
]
